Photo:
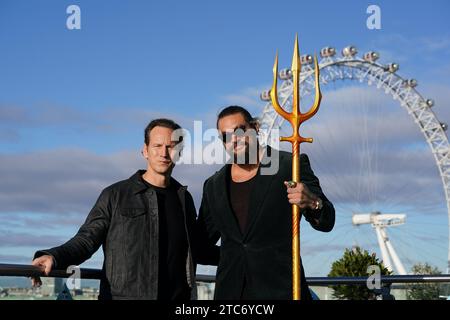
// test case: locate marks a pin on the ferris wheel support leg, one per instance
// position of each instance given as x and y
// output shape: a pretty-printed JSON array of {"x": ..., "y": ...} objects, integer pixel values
[
  {"x": 395, "y": 259},
  {"x": 384, "y": 251}
]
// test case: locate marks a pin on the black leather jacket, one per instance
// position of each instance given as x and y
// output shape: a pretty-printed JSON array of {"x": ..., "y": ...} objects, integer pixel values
[{"x": 124, "y": 221}]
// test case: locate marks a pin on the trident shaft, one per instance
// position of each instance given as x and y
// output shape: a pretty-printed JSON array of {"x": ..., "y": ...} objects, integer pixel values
[{"x": 296, "y": 118}]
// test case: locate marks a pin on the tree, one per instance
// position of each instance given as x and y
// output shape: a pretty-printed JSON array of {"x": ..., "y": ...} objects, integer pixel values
[
  {"x": 424, "y": 291},
  {"x": 354, "y": 263}
]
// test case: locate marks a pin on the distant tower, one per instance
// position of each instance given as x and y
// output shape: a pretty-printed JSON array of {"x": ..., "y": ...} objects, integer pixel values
[
  {"x": 205, "y": 291},
  {"x": 380, "y": 222}
]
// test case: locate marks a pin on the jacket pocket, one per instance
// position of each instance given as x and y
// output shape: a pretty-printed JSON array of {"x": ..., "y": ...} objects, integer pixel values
[{"x": 132, "y": 212}]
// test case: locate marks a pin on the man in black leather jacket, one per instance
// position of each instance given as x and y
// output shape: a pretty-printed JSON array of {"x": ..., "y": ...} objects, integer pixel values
[{"x": 145, "y": 225}]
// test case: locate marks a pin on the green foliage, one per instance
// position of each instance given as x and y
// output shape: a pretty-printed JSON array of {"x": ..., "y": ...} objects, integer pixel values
[
  {"x": 354, "y": 263},
  {"x": 424, "y": 291}
]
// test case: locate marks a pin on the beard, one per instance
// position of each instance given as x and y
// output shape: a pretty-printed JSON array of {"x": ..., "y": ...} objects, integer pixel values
[{"x": 246, "y": 154}]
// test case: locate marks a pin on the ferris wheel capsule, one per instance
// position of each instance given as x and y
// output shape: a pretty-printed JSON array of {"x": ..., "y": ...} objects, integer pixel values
[
  {"x": 265, "y": 95},
  {"x": 410, "y": 83},
  {"x": 371, "y": 56},
  {"x": 392, "y": 67},
  {"x": 444, "y": 126},
  {"x": 327, "y": 52},
  {"x": 349, "y": 51},
  {"x": 306, "y": 59},
  {"x": 285, "y": 74},
  {"x": 429, "y": 102}
]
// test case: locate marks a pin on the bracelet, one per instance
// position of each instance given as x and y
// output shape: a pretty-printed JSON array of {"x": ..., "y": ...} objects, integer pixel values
[{"x": 319, "y": 204}]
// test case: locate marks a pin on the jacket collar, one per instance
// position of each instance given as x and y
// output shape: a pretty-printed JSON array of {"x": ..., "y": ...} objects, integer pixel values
[
  {"x": 257, "y": 195},
  {"x": 139, "y": 186}
]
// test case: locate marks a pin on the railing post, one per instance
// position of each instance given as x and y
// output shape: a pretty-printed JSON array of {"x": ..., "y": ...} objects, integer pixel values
[{"x": 386, "y": 292}]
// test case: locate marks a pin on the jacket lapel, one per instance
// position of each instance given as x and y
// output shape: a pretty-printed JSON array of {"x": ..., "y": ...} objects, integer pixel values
[
  {"x": 224, "y": 206},
  {"x": 258, "y": 194}
]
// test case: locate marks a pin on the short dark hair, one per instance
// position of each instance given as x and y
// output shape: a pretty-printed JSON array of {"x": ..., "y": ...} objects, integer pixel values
[
  {"x": 162, "y": 122},
  {"x": 233, "y": 110}
]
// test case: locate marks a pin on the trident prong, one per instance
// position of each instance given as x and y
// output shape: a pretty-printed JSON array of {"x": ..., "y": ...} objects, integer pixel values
[
  {"x": 274, "y": 92},
  {"x": 296, "y": 118},
  {"x": 296, "y": 69},
  {"x": 318, "y": 93}
]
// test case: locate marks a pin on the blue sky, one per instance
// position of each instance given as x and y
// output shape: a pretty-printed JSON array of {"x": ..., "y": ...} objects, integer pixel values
[
  {"x": 184, "y": 56},
  {"x": 73, "y": 103}
]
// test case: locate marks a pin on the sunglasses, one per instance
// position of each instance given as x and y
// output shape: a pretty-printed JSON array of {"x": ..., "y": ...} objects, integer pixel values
[{"x": 238, "y": 131}]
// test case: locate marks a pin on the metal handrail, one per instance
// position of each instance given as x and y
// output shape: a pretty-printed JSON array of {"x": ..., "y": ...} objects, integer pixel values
[
  {"x": 417, "y": 278},
  {"x": 18, "y": 270}
]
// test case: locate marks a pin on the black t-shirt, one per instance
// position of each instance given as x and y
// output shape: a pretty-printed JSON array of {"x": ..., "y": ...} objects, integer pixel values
[
  {"x": 239, "y": 193},
  {"x": 173, "y": 246}
]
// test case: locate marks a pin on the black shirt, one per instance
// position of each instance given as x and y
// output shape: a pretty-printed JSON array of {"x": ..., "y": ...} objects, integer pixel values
[
  {"x": 173, "y": 246},
  {"x": 239, "y": 193}
]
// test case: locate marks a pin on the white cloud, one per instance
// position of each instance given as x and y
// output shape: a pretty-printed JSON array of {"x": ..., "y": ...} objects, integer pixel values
[
  {"x": 59, "y": 181},
  {"x": 440, "y": 44},
  {"x": 412, "y": 46},
  {"x": 12, "y": 239},
  {"x": 70, "y": 180}
]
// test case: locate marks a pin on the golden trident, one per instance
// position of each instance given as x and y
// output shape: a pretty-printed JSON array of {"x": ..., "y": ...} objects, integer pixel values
[{"x": 295, "y": 118}]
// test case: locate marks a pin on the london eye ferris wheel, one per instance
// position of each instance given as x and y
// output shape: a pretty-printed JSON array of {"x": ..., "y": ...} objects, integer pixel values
[{"x": 372, "y": 156}]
